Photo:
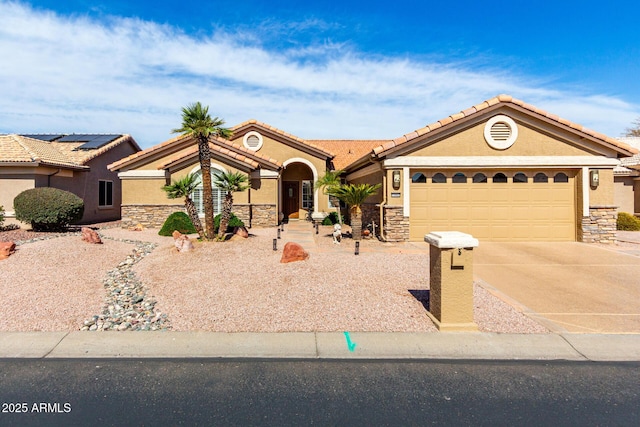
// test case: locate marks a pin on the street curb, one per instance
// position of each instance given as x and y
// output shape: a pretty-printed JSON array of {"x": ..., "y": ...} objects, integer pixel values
[{"x": 321, "y": 345}]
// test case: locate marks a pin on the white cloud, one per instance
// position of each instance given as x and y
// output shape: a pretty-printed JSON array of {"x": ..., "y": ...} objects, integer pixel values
[{"x": 77, "y": 74}]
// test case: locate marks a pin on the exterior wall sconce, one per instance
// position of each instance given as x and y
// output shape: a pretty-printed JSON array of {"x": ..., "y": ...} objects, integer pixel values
[
  {"x": 594, "y": 178},
  {"x": 396, "y": 179}
]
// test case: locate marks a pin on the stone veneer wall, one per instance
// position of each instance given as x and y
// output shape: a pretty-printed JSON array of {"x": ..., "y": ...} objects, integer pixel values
[
  {"x": 264, "y": 216},
  {"x": 153, "y": 216},
  {"x": 370, "y": 213},
  {"x": 150, "y": 216},
  {"x": 600, "y": 226},
  {"x": 243, "y": 212},
  {"x": 396, "y": 225}
]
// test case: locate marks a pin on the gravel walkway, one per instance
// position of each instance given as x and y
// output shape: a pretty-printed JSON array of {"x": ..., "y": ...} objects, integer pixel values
[{"x": 62, "y": 283}]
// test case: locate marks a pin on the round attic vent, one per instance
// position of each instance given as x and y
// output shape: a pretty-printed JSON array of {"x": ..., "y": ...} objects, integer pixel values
[
  {"x": 500, "y": 132},
  {"x": 252, "y": 141}
]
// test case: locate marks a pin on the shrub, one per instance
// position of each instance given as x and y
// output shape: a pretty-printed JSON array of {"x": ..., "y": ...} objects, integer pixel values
[
  {"x": 233, "y": 223},
  {"x": 179, "y": 221},
  {"x": 48, "y": 209},
  {"x": 1, "y": 216},
  {"x": 330, "y": 219},
  {"x": 628, "y": 222}
]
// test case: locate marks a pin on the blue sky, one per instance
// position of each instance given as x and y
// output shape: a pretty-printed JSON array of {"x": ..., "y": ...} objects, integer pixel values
[{"x": 317, "y": 69}]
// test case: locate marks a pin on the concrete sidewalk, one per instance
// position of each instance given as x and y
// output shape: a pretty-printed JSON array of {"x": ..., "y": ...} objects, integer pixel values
[{"x": 321, "y": 345}]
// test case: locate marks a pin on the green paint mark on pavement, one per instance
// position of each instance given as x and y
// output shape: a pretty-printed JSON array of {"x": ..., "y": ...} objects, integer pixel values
[{"x": 350, "y": 344}]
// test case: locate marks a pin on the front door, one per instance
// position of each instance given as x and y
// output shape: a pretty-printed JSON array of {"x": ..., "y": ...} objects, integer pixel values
[{"x": 291, "y": 199}]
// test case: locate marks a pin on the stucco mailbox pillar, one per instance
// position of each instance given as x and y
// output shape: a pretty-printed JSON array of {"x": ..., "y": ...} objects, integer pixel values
[{"x": 451, "y": 280}]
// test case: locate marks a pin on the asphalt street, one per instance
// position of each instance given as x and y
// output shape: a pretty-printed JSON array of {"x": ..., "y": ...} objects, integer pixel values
[{"x": 302, "y": 392}]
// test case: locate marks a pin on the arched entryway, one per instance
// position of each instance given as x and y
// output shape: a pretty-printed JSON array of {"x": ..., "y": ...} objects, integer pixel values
[{"x": 297, "y": 193}]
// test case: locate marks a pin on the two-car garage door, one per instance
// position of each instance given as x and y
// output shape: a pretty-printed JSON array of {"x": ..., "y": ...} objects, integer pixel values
[{"x": 494, "y": 205}]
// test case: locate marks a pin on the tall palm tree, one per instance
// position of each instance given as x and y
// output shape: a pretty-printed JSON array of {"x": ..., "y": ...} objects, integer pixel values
[
  {"x": 197, "y": 122},
  {"x": 329, "y": 182},
  {"x": 229, "y": 183},
  {"x": 354, "y": 195},
  {"x": 184, "y": 188}
]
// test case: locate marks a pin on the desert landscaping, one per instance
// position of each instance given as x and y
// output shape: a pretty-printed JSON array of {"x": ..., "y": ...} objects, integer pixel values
[{"x": 58, "y": 282}]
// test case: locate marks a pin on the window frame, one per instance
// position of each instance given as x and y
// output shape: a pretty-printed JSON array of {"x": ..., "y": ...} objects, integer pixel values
[{"x": 105, "y": 193}]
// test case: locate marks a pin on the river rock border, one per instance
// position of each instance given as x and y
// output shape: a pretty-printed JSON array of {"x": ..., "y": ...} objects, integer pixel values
[{"x": 127, "y": 306}]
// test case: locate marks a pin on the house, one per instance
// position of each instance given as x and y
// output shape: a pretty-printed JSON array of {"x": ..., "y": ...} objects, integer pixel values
[
  {"x": 626, "y": 178},
  {"x": 282, "y": 169},
  {"x": 73, "y": 162},
  {"x": 502, "y": 170}
]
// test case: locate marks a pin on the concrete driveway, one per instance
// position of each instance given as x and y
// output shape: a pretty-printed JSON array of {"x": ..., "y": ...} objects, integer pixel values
[{"x": 568, "y": 287}]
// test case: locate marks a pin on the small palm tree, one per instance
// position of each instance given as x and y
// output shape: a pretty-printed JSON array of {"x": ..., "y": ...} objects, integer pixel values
[
  {"x": 354, "y": 195},
  {"x": 329, "y": 183},
  {"x": 184, "y": 188},
  {"x": 197, "y": 122},
  {"x": 229, "y": 183}
]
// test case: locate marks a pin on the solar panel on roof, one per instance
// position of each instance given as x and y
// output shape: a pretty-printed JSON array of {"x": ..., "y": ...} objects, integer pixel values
[
  {"x": 98, "y": 141},
  {"x": 76, "y": 137},
  {"x": 43, "y": 136}
]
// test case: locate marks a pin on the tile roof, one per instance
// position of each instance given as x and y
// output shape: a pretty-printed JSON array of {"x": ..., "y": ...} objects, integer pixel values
[
  {"x": 504, "y": 99},
  {"x": 347, "y": 150},
  {"x": 216, "y": 144},
  {"x": 21, "y": 149},
  {"x": 632, "y": 161},
  {"x": 283, "y": 133},
  {"x": 214, "y": 148}
]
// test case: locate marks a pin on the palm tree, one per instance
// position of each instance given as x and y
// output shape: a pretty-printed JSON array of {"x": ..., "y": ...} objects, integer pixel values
[
  {"x": 197, "y": 122},
  {"x": 184, "y": 188},
  {"x": 329, "y": 182},
  {"x": 354, "y": 195},
  {"x": 229, "y": 183}
]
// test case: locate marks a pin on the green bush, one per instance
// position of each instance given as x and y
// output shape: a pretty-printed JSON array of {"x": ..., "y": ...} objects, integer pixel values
[
  {"x": 1, "y": 216},
  {"x": 179, "y": 221},
  {"x": 48, "y": 209},
  {"x": 628, "y": 222},
  {"x": 233, "y": 223},
  {"x": 331, "y": 219}
]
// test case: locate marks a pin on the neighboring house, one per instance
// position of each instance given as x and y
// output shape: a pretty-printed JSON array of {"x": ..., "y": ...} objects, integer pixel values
[
  {"x": 627, "y": 180},
  {"x": 502, "y": 170},
  {"x": 74, "y": 162}
]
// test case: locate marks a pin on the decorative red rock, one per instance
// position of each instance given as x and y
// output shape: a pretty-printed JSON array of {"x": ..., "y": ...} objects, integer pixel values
[
  {"x": 242, "y": 232},
  {"x": 7, "y": 249},
  {"x": 293, "y": 252},
  {"x": 90, "y": 236}
]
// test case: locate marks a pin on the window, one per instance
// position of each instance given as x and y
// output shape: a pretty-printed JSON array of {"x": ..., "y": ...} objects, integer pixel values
[
  {"x": 499, "y": 178},
  {"x": 561, "y": 177},
  {"x": 519, "y": 178},
  {"x": 419, "y": 178},
  {"x": 105, "y": 193},
  {"x": 479, "y": 178},
  {"x": 439, "y": 178},
  {"x": 540, "y": 178},
  {"x": 198, "y": 198},
  {"x": 307, "y": 195},
  {"x": 459, "y": 178}
]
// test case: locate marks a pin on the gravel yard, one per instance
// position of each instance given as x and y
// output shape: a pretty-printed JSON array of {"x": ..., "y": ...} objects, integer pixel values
[{"x": 57, "y": 284}]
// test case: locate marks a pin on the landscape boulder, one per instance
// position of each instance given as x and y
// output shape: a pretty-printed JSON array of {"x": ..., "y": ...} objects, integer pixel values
[
  {"x": 90, "y": 236},
  {"x": 182, "y": 242},
  {"x": 293, "y": 252},
  {"x": 138, "y": 227},
  {"x": 7, "y": 249},
  {"x": 242, "y": 232}
]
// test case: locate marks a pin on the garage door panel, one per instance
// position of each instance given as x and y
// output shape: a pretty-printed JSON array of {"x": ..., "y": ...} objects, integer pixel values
[{"x": 496, "y": 211}]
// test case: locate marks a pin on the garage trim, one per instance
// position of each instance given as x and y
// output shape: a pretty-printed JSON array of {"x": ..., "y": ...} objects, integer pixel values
[{"x": 501, "y": 161}]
